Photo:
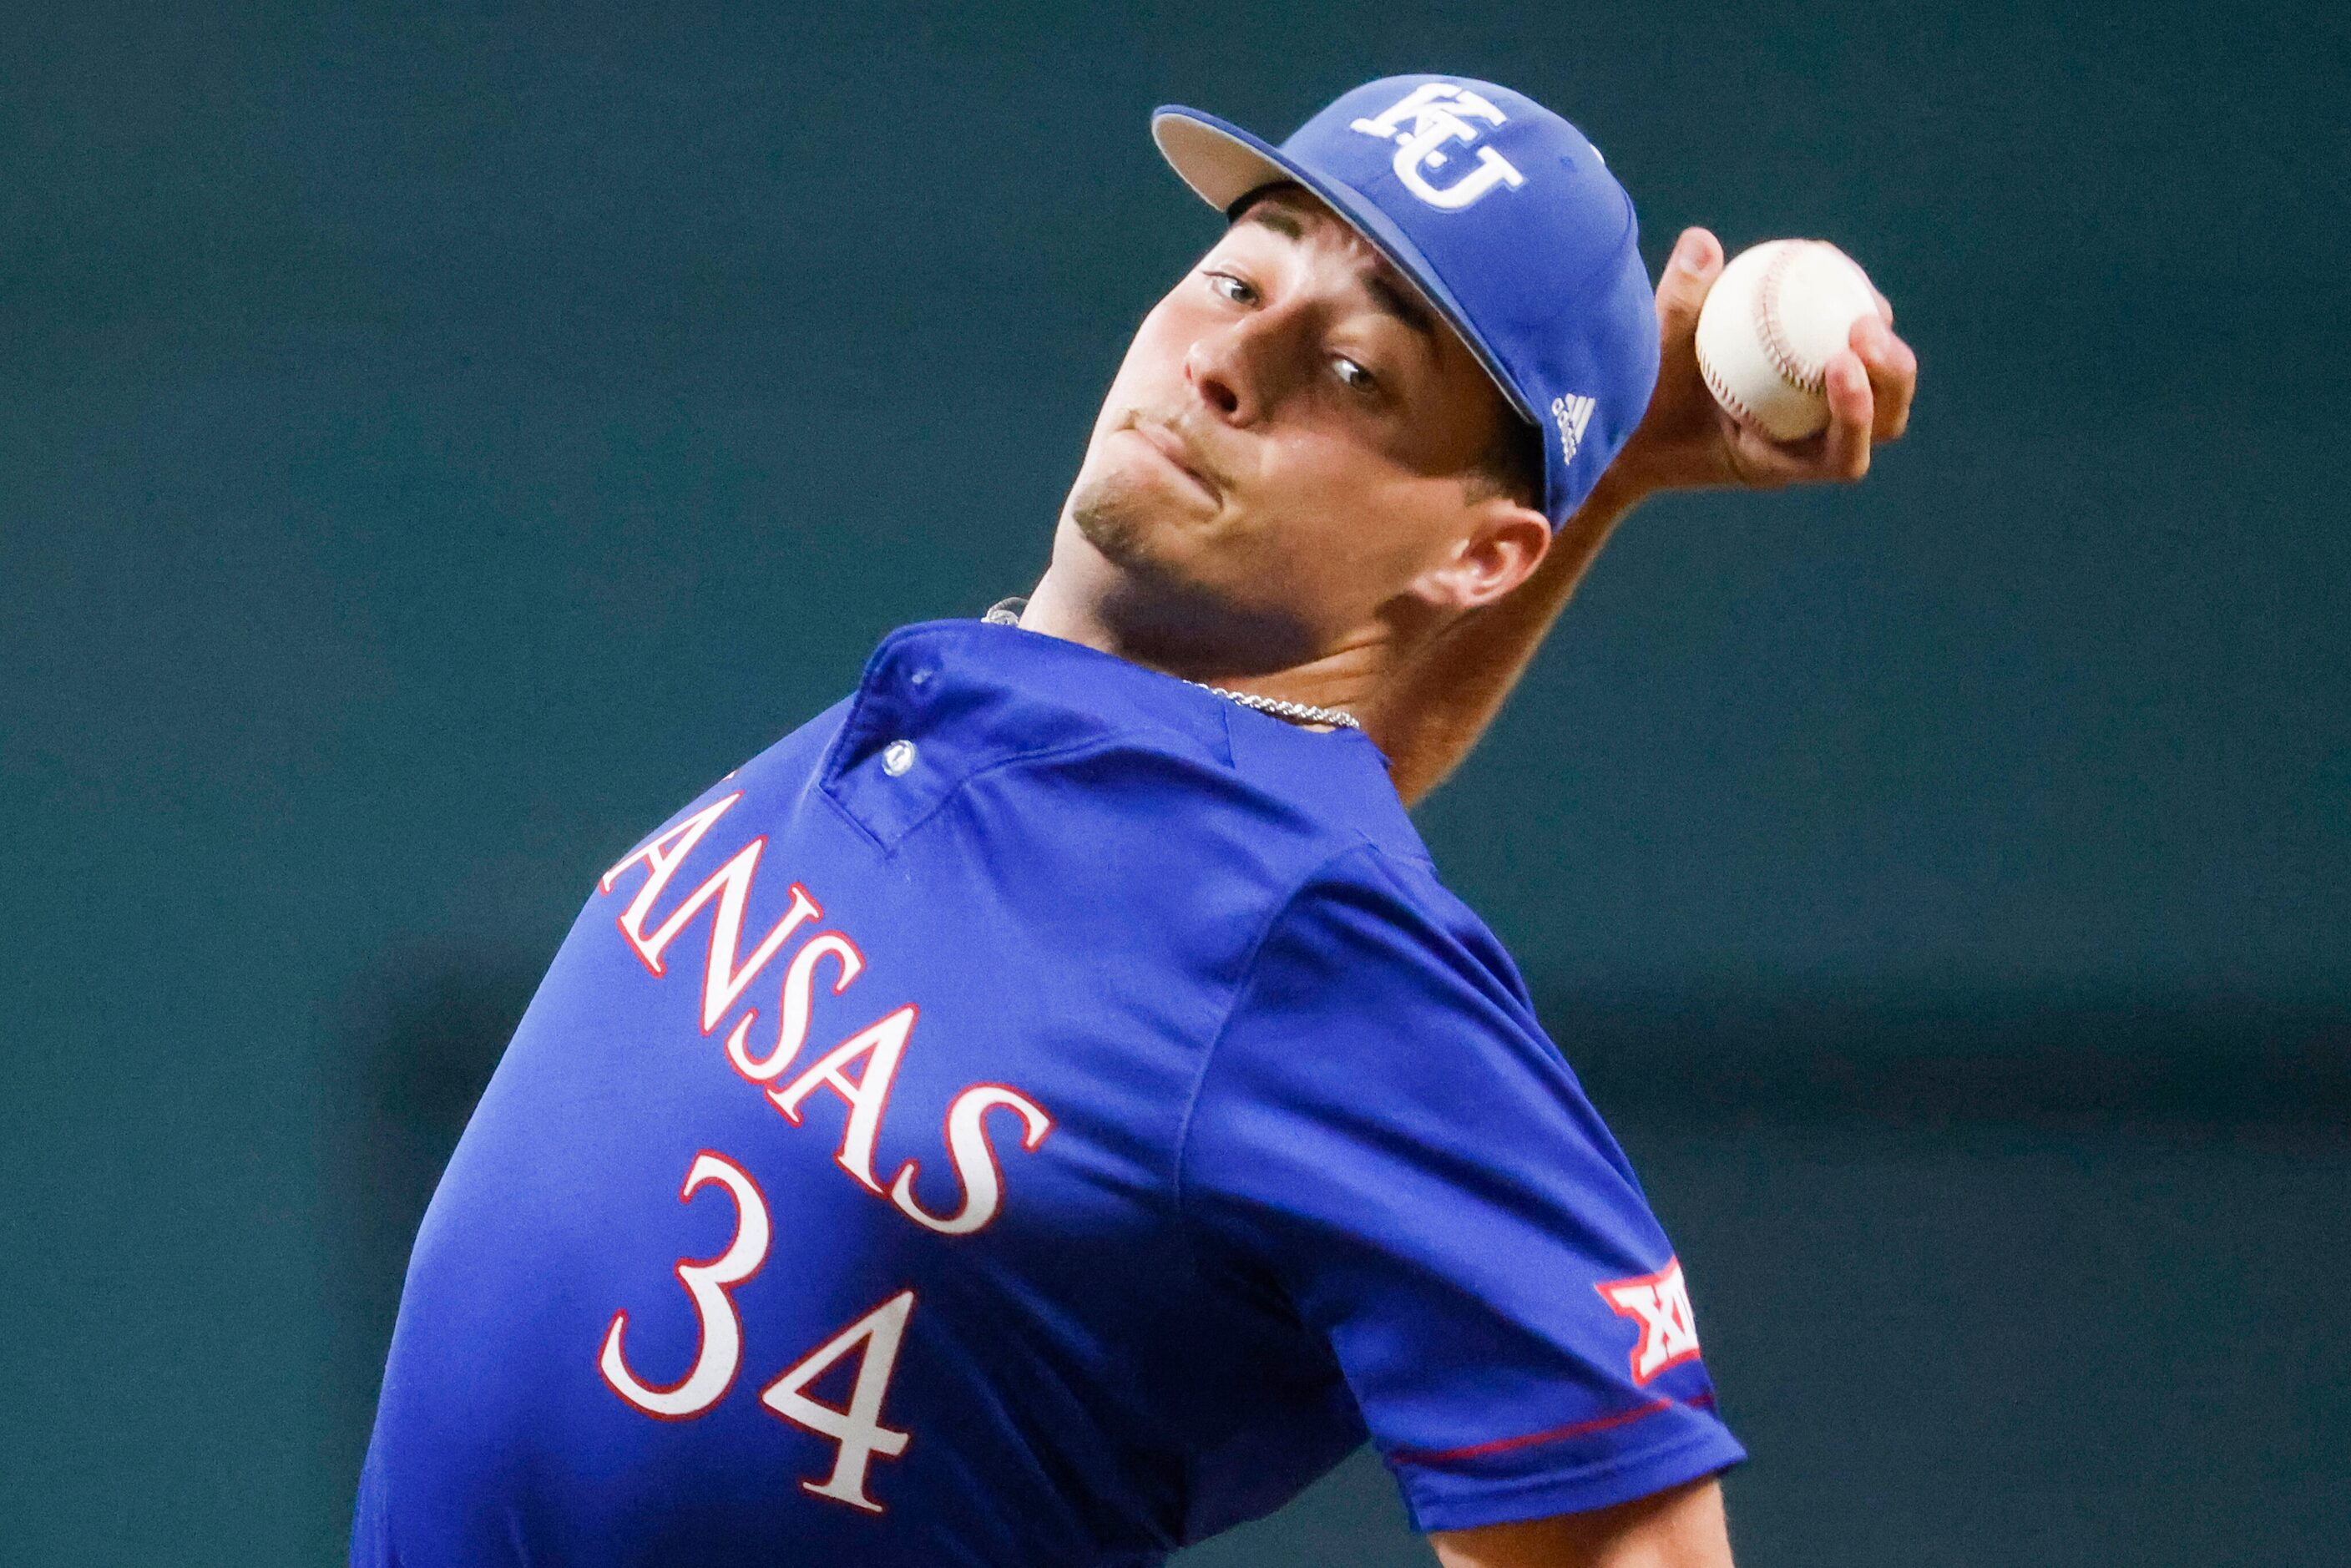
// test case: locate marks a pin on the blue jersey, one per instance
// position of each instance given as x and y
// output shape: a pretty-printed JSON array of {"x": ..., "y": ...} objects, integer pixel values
[{"x": 1037, "y": 1113}]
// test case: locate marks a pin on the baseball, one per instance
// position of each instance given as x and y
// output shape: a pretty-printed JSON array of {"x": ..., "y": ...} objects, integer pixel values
[{"x": 1765, "y": 334}]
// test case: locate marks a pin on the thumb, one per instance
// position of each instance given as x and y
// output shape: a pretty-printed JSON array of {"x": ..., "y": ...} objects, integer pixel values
[{"x": 1690, "y": 271}]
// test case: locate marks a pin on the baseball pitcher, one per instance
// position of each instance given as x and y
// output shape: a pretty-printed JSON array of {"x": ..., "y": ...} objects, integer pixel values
[{"x": 1047, "y": 1109}]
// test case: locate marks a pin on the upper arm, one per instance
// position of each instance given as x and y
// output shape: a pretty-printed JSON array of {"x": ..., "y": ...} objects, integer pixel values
[
  {"x": 1680, "y": 1527},
  {"x": 1386, "y": 1137}
]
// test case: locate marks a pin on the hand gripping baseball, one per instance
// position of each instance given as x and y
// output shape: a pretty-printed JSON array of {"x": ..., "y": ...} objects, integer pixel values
[
  {"x": 1433, "y": 711},
  {"x": 1686, "y": 440}
]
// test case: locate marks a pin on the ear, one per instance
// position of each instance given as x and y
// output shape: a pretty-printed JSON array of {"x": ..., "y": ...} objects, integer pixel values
[{"x": 1503, "y": 545}]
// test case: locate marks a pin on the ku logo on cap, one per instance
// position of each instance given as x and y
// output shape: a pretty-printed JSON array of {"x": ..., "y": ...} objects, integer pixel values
[
  {"x": 1660, "y": 1303},
  {"x": 1441, "y": 114}
]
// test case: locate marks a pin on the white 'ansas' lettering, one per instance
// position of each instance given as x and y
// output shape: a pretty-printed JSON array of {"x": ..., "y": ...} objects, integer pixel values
[{"x": 880, "y": 1046}]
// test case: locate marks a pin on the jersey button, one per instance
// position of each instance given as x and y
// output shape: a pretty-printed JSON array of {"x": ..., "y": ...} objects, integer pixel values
[{"x": 897, "y": 757}]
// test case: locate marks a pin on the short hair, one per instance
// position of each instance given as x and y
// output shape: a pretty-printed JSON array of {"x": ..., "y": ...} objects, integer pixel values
[{"x": 1512, "y": 463}]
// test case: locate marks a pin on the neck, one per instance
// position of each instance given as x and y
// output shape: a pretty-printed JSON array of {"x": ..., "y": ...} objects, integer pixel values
[{"x": 1087, "y": 599}]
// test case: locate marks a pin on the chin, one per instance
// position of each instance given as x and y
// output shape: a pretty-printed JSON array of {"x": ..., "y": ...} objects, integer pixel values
[
  {"x": 1131, "y": 520},
  {"x": 1166, "y": 609}
]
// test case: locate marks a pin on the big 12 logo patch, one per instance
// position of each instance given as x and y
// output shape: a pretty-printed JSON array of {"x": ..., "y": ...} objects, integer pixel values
[{"x": 1660, "y": 1303}]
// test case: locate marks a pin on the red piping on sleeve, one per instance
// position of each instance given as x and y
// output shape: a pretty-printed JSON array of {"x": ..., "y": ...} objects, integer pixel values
[{"x": 1550, "y": 1435}]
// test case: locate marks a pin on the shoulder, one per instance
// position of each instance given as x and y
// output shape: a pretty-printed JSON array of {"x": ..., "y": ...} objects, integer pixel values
[
  {"x": 1381, "y": 1043},
  {"x": 1374, "y": 1000},
  {"x": 790, "y": 761},
  {"x": 1384, "y": 923},
  {"x": 752, "y": 789}
]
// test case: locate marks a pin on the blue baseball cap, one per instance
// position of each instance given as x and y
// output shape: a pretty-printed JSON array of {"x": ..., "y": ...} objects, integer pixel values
[{"x": 1503, "y": 216}]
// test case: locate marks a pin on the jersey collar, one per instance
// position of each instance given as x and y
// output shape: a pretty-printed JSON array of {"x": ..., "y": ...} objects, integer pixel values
[{"x": 942, "y": 700}]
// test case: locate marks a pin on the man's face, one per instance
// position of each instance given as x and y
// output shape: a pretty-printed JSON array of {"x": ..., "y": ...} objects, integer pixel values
[{"x": 1287, "y": 451}]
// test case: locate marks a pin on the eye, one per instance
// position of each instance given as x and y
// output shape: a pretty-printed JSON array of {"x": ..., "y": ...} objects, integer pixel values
[
  {"x": 1232, "y": 287},
  {"x": 1352, "y": 375}
]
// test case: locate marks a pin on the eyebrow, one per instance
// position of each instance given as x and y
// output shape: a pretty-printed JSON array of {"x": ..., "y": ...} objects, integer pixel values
[
  {"x": 1401, "y": 306},
  {"x": 1280, "y": 220},
  {"x": 1391, "y": 300}
]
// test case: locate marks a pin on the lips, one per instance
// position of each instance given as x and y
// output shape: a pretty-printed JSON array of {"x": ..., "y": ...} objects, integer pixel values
[{"x": 1172, "y": 447}]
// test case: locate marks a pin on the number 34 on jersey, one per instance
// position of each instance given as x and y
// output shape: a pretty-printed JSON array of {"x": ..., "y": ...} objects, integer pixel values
[
  {"x": 874, "y": 1339},
  {"x": 873, "y": 1054}
]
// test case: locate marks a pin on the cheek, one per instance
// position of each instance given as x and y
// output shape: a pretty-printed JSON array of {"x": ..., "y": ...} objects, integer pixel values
[
  {"x": 1337, "y": 490},
  {"x": 1380, "y": 528},
  {"x": 1155, "y": 358},
  {"x": 1309, "y": 484}
]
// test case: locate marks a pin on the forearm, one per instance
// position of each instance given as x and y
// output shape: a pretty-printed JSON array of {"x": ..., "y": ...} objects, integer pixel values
[
  {"x": 1682, "y": 1528},
  {"x": 1429, "y": 716}
]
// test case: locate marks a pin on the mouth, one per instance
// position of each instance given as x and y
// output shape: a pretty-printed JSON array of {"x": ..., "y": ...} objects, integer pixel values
[{"x": 1177, "y": 455}]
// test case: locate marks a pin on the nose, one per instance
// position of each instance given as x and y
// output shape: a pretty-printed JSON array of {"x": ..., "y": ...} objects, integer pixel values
[{"x": 1235, "y": 367}]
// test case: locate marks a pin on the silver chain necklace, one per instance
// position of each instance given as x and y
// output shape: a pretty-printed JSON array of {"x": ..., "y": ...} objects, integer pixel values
[
  {"x": 1296, "y": 713},
  {"x": 1006, "y": 613}
]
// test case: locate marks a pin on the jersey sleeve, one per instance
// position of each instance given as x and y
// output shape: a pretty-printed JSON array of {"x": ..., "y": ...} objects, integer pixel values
[{"x": 1383, "y": 1141}]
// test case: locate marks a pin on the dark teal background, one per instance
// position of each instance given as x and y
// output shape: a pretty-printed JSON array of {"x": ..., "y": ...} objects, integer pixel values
[{"x": 436, "y": 441}]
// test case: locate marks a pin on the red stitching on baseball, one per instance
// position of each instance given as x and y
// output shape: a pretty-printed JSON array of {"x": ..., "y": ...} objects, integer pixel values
[
  {"x": 1767, "y": 321},
  {"x": 1726, "y": 397}
]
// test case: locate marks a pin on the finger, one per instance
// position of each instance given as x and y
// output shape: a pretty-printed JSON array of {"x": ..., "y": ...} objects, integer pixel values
[
  {"x": 1893, "y": 376},
  {"x": 1761, "y": 463},
  {"x": 1884, "y": 305},
  {"x": 1845, "y": 446},
  {"x": 1690, "y": 271}
]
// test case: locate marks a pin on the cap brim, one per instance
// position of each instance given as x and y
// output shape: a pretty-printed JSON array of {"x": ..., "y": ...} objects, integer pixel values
[{"x": 1222, "y": 163}]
